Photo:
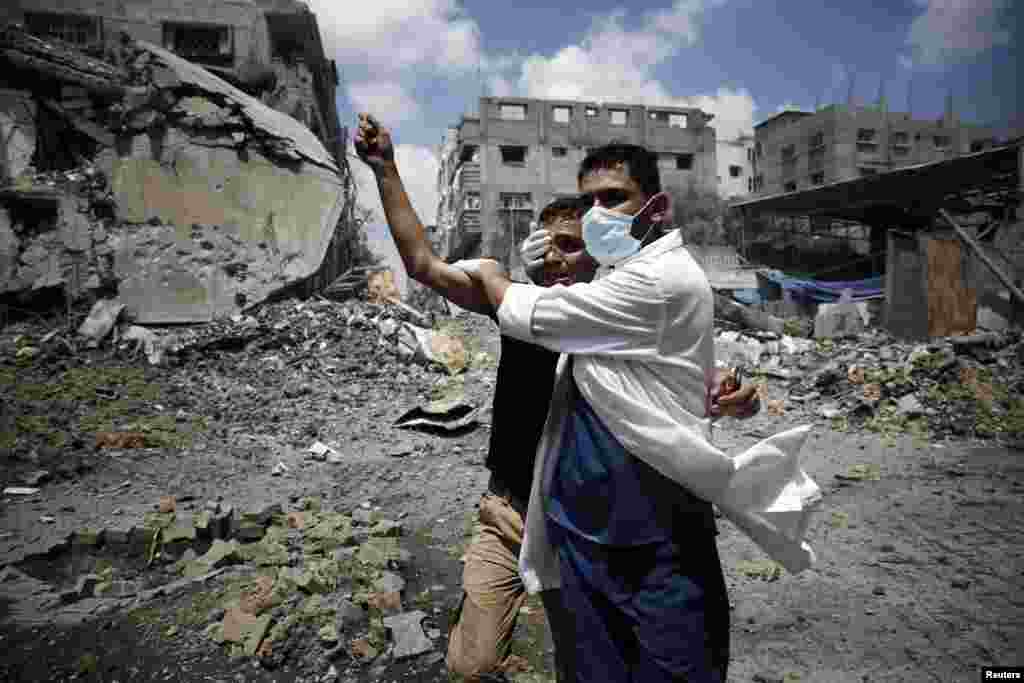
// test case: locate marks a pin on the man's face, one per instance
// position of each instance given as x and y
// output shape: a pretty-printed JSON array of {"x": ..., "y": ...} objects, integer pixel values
[
  {"x": 566, "y": 261},
  {"x": 614, "y": 189}
]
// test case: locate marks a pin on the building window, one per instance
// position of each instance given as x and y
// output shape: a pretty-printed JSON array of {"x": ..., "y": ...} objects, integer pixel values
[
  {"x": 817, "y": 140},
  {"x": 591, "y": 111},
  {"x": 866, "y": 171},
  {"x": 941, "y": 141},
  {"x": 684, "y": 162},
  {"x": 561, "y": 114},
  {"x": 200, "y": 43},
  {"x": 515, "y": 212},
  {"x": 865, "y": 134},
  {"x": 758, "y": 150},
  {"x": 469, "y": 153},
  {"x": 818, "y": 178},
  {"x": 900, "y": 137},
  {"x": 513, "y": 155},
  {"x": 513, "y": 112},
  {"x": 619, "y": 117},
  {"x": 735, "y": 171},
  {"x": 677, "y": 121},
  {"x": 472, "y": 202},
  {"x": 790, "y": 186},
  {"x": 750, "y": 184},
  {"x": 661, "y": 116},
  {"x": 559, "y": 152},
  {"x": 76, "y": 29},
  {"x": 979, "y": 145},
  {"x": 867, "y": 148}
]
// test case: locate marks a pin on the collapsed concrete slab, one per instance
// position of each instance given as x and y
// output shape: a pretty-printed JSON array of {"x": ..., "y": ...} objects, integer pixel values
[{"x": 205, "y": 202}]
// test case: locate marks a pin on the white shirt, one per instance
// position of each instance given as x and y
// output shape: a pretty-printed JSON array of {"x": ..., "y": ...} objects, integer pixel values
[{"x": 643, "y": 350}]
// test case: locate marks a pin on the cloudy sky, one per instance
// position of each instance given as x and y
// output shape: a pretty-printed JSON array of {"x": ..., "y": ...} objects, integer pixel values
[{"x": 420, "y": 64}]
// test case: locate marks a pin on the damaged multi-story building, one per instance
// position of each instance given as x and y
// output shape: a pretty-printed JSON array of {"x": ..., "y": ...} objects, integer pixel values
[
  {"x": 187, "y": 156},
  {"x": 796, "y": 150},
  {"x": 499, "y": 169}
]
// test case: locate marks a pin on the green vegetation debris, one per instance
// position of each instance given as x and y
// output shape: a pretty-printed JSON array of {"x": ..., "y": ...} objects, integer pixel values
[{"x": 766, "y": 570}]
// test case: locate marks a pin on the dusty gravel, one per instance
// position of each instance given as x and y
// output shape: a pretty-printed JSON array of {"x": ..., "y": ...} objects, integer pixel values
[{"x": 919, "y": 573}]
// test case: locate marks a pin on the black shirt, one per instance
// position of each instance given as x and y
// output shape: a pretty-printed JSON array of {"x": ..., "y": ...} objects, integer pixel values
[{"x": 522, "y": 395}]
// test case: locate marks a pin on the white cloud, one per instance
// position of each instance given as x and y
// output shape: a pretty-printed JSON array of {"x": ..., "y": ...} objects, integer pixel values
[
  {"x": 387, "y": 99},
  {"x": 390, "y": 35},
  {"x": 418, "y": 166},
  {"x": 948, "y": 30}
]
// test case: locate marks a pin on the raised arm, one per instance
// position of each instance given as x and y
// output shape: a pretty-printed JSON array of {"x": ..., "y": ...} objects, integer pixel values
[{"x": 373, "y": 145}]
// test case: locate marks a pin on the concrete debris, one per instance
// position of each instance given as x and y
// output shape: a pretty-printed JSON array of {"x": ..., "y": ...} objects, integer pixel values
[
  {"x": 429, "y": 346},
  {"x": 323, "y": 452},
  {"x": 442, "y": 416},
  {"x": 101, "y": 321},
  {"x": 843, "y": 319},
  {"x": 190, "y": 198},
  {"x": 145, "y": 340},
  {"x": 407, "y": 633},
  {"x": 20, "y": 491}
]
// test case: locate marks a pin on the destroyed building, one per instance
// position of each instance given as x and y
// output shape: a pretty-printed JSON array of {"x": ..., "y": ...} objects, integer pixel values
[
  {"x": 191, "y": 182},
  {"x": 499, "y": 169},
  {"x": 796, "y": 150}
]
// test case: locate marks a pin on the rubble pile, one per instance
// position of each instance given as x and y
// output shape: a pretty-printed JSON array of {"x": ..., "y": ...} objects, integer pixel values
[
  {"x": 307, "y": 587},
  {"x": 161, "y": 181},
  {"x": 966, "y": 386}
]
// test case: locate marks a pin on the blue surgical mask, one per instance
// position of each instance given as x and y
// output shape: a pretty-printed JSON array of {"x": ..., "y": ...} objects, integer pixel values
[{"x": 608, "y": 235}]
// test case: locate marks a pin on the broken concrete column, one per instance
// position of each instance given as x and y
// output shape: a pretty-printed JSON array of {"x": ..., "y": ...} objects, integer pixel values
[{"x": 17, "y": 133}]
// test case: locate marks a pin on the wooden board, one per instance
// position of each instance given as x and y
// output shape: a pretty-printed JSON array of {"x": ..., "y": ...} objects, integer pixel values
[{"x": 952, "y": 298}]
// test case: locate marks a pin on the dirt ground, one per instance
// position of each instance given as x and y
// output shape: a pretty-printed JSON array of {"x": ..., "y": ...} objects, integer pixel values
[{"x": 920, "y": 560}]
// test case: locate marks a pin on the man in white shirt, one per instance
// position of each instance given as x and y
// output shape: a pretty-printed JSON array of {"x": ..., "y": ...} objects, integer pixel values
[{"x": 620, "y": 511}]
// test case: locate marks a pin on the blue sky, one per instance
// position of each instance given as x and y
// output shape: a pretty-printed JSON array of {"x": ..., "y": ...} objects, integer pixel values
[{"x": 420, "y": 64}]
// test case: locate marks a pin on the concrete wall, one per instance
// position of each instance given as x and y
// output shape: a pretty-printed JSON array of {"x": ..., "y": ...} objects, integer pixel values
[
  {"x": 734, "y": 153},
  {"x": 906, "y": 316}
]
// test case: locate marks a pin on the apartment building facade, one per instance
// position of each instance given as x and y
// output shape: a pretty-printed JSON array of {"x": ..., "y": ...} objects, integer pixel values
[
  {"x": 799, "y": 150},
  {"x": 268, "y": 47},
  {"x": 499, "y": 169},
  {"x": 736, "y": 167}
]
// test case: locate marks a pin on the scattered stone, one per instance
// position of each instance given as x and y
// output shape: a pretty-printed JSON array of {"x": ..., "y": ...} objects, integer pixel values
[
  {"x": 830, "y": 410},
  {"x": 279, "y": 469},
  {"x": 878, "y": 590},
  {"x": 389, "y": 582},
  {"x": 37, "y": 478},
  {"x": 20, "y": 491},
  {"x": 960, "y": 582},
  {"x": 909, "y": 406},
  {"x": 386, "y": 603},
  {"x": 362, "y": 650},
  {"x": 245, "y": 629},
  {"x": 407, "y": 634},
  {"x": 386, "y": 527}
]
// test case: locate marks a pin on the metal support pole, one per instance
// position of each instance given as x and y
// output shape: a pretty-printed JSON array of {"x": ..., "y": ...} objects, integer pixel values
[{"x": 1015, "y": 292}]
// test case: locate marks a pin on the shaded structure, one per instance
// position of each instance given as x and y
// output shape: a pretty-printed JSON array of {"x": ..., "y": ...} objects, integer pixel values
[{"x": 933, "y": 285}]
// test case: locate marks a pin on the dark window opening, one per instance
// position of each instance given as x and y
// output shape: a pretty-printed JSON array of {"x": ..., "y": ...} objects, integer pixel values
[
  {"x": 76, "y": 29},
  {"x": 735, "y": 171},
  {"x": 817, "y": 140},
  {"x": 684, "y": 162},
  {"x": 513, "y": 112},
  {"x": 789, "y": 152},
  {"x": 818, "y": 179},
  {"x": 900, "y": 137},
  {"x": 865, "y": 134},
  {"x": 867, "y": 147},
  {"x": 513, "y": 155},
  {"x": 559, "y": 152},
  {"x": 201, "y": 43},
  {"x": 468, "y": 153},
  {"x": 750, "y": 184},
  {"x": 790, "y": 186},
  {"x": 941, "y": 141}
]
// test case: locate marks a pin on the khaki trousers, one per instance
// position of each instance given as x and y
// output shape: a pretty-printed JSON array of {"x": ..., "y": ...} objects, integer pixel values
[{"x": 481, "y": 638}]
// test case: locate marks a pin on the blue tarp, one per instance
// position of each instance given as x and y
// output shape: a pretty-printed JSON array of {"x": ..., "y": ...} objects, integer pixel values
[{"x": 816, "y": 291}]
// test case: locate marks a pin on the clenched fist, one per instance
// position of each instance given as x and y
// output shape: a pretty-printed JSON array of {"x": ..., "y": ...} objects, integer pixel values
[{"x": 373, "y": 143}]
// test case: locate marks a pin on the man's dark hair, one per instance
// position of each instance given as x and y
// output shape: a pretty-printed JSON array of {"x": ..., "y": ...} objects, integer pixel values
[
  {"x": 641, "y": 164},
  {"x": 563, "y": 207}
]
